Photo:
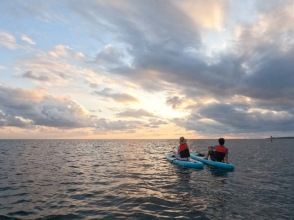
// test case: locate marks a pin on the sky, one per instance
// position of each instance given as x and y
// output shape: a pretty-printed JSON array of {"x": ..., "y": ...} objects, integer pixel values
[{"x": 146, "y": 69}]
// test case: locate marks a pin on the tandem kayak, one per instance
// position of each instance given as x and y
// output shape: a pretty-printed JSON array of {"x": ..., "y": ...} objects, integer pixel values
[
  {"x": 216, "y": 164},
  {"x": 184, "y": 163}
]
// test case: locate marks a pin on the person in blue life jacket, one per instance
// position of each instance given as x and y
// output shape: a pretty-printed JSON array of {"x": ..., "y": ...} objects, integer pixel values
[
  {"x": 219, "y": 152},
  {"x": 183, "y": 152}
]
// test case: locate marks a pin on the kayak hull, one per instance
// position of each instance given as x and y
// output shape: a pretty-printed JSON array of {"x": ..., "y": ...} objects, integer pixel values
[
  {"x": 216, "y": 164},
  {"x": 187, "y": 164}
]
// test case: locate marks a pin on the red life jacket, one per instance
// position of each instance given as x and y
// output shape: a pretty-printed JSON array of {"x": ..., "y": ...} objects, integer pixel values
[
  {"x": 221, "y": 149},
  {"x": 183, "y": 150},
  {"x": 183, "y": 147}
]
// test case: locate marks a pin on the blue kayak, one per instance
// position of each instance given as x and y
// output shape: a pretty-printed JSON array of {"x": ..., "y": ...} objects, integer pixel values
[
  {"x": 216, "y": 164},
  {"x": 184, "y": 163}
]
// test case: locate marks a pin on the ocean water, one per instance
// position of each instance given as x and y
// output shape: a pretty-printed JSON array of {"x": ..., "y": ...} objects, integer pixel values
[{"x": 131, "y": 179}]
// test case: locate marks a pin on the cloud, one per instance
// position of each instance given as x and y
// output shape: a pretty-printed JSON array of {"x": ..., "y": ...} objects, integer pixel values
[
  {"x": 54, "y": 67},
  {"x": 135, "y": 113},
  {"x": 30, "y": 108},
  {"x": 156, "y": 123},
  {"x": 16, "y": 121},
  {"x": 119, "y": 125},
  {"x": 8, "y": 40},
  {"x": 112, "y": 58},
  {"x": 208, "y": 14},
  {"x": 53, "y": 70},
  {"x": 27, "y": 39},
  {"x": 174, "y": 101},
  {"x": 236, "y": 118},
  {"x": 31, "y": 75},
  {"x": 64, "y": 51},
  {"x": 267, "y": 53},
  {"x": 45, "y": 12},
  {"x": 119, "y": 97},
  {"x": 39, "y": 108},
  {"x": 159, "y": 46}
]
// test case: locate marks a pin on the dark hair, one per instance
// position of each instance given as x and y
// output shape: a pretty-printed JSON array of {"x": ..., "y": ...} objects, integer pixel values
[{"x": 221, "y": 141}]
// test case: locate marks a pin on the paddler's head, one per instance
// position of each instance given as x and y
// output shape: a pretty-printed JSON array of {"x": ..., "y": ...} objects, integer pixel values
[
  {"x": 182, "y": 140},
  {"x": 221, "y": 141}
]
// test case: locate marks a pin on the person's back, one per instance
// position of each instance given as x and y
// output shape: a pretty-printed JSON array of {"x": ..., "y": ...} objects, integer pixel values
[
  {"x": 183, "y": 149},
  {"x": 220, "y": 151}
]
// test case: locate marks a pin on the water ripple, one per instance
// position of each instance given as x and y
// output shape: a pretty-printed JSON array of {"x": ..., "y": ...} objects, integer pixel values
[{"x": 130, "y": 179}]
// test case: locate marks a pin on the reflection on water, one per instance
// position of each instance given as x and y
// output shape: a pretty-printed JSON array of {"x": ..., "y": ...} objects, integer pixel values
[
  {"x": 88, "y": 179},
  {"x": 218, "y": 172}
]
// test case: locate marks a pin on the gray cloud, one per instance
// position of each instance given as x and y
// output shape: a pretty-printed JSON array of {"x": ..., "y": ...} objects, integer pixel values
[
  {"x": 32, "y": 75},
  {"x": 119, "y": 97},
  {"x": 174, "y": 101},
  {"x": 16, "y": 121},
  {"x": 273, "y": 79},
  {"x": 132, "y": 113},
  {"x": 158, "y": 43},
  {"x": 156, "y": 123},
  {"x": 236, "y": 118},
  {"x": 112, "y": 58},
  {"x": 41, "y": 109},
  {"x": 120, "y": 125},
  {"x": 27, "y": 108}
]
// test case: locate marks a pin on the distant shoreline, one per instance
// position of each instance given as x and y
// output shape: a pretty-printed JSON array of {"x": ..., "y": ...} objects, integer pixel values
[{"x": 280, "y": 138}]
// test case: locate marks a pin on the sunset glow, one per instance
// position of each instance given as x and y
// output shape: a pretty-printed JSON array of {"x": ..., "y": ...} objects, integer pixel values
[{"x": 146, "y": 69}]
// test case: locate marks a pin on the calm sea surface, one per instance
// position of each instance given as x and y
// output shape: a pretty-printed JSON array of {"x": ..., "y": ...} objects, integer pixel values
[{"x": 131, "y": 179}]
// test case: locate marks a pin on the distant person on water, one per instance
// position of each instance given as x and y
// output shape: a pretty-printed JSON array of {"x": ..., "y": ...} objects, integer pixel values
[
  {"x": 183, "y": 151},
  {"x": 218, "y": 153}
]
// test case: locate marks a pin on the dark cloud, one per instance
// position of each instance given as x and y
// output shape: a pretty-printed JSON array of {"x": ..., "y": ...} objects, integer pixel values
[
  {"x": 174, "y": 101},
  {"x": 16, "y": 121},
  {"x": 119, "y": 97},
  {"x": 273, "y": 79},
  {"x": 234, "y": 118},
  {"x": 111, "y": 58}
]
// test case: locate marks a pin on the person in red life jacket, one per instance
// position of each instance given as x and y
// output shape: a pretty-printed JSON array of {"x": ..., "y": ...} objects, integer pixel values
[
  {"x": 183, "y": 149},
  {"x": 218, "y": 153}
]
